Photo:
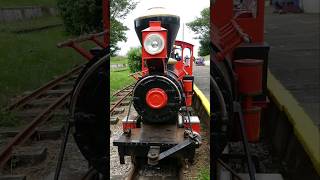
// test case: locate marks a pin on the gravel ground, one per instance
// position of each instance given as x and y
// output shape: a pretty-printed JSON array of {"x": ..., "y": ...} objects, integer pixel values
[
  {"x": 202, "y": 158},
  {"x": 261, "y": 150},
  {"x": 117, "y": 169}
]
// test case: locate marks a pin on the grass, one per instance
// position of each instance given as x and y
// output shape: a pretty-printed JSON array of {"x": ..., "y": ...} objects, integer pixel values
[
  {"x": 204, "y": 174},
  {"x": 30, "y": 24},
  {"x": 28, "y": 60},
  {"x": 119, "y": 79},
  {"x": 119, "y": 60},
  {"x": 17, "y": 3}
]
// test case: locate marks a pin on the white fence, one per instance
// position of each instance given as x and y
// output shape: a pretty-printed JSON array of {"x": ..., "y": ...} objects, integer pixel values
[{"x": 28, "y": 12}]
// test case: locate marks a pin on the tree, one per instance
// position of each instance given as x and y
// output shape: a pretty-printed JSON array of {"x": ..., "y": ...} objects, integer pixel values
[
  {"x": 201, "y": 26},
  {"x": 119, "y": 9},
  {"x": 85, "y": 16}
]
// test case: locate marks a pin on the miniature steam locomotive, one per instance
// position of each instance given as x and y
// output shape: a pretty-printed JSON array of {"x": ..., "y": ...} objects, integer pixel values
[{"x": 163, "y": 128}]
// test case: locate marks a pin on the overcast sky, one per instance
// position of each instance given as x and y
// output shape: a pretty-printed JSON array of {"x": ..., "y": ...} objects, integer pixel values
[{"x": 188, "y": 10}]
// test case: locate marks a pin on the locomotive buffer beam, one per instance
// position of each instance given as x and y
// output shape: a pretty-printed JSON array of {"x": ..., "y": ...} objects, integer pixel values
[{"x": 154, "y": 155}]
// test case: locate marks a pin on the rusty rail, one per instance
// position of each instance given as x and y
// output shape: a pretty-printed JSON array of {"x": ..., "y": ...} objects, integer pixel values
[
  {"x": 125, "y": 88},
  {"x": 119, "y": 101}
]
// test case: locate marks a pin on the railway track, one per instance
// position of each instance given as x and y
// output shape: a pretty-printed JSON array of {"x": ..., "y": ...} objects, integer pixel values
[
  {"x": 38, "y": 107},
  {"x": 121, "y": 95}
]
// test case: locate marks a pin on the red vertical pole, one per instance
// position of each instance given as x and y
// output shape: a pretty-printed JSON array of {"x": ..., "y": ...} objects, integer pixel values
[{"x": 106, "y": 20}]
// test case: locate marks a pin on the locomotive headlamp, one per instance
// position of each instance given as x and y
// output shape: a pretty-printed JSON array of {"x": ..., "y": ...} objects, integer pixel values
[{"x": 154, "y": 43}]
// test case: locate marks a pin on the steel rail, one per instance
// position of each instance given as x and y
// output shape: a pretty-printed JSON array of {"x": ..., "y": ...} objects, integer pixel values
[
  {"x": 119, "y": 101},
  {"x": 30, "y": 129},
  {"x": 24, "y": 100},
  {"x": 125, "y": 88}
]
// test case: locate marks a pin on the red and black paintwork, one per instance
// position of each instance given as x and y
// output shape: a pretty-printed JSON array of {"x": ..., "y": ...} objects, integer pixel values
[
  {"x": 159, "y": 95},
  {"x": 239, "y": 62}
]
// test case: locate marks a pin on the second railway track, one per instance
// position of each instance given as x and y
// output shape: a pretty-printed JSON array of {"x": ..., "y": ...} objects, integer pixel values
[
  {"x": 36, "y": 108},
  {"x": 120, "y": 96}
]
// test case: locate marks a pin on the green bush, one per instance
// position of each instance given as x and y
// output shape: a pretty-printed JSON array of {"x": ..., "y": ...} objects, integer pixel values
[
  {"x": 81, "y": 16},
  {"x": 204, "y": 174},
  {"x": 134, "y": 59}
]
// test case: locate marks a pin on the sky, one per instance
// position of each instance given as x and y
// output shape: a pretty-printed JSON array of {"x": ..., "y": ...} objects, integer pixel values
[{"x": 188, "y": 10}]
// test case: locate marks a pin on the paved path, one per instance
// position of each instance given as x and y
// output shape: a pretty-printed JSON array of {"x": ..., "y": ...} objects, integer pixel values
[
  {"x": 294, "y": 56},
  {"x": 202, "y": 79}
]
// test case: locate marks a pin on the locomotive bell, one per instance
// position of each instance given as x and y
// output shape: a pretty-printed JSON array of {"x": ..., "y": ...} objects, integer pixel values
[{"x": 168, "y": 21}]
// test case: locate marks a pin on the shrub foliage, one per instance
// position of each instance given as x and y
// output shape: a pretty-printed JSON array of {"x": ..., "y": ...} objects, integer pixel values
[
  {"x": 81, "y": 16},
  {"x": 134, "y": 59}
]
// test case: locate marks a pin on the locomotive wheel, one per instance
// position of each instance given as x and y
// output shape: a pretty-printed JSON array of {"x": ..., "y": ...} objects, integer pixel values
[
  {"x": 88, "y": 109},
  {"x": 222, "y": 98}
]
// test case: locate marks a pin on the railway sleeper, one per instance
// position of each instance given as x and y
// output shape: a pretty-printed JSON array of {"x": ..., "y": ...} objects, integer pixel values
[
  {"x": 125, "y": 103},
  {"x": 13, "y": 177},
  {"x": 57, "y": 92},
  {"x": 40, "y": 103},
  {"x": 114, "y": 120},
  {"x": 44, "y": 133},
  {"x": 118, "y": 111},
  {"x": 27, "y": 155},
  {"x": 35, "y": 112}
]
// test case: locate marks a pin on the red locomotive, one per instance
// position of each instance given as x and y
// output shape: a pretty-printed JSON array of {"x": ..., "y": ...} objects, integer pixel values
[{"x": 164, "y": 128}]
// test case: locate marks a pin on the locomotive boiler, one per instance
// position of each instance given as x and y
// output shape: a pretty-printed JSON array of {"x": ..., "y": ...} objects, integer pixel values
[{"x": 163, "y": 128}]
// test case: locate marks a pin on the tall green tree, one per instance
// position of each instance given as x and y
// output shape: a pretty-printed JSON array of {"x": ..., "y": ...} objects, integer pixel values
[
  {"x": 119, "y": 9},
  {"x": 85, "y": 16},
  {"x": 201, "y": 27}
]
